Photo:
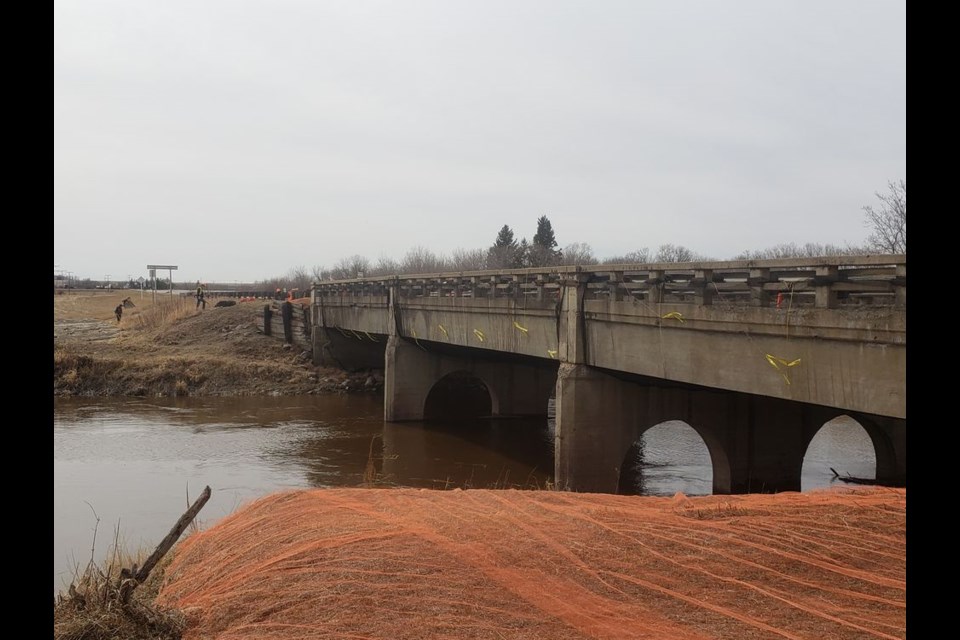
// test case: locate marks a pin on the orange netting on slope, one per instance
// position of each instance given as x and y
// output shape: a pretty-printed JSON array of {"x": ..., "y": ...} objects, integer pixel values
[{"x": 406, "y": 563}]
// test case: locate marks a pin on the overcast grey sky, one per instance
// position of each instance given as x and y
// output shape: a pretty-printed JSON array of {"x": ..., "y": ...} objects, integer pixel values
[{"x": 238, "y": 139}]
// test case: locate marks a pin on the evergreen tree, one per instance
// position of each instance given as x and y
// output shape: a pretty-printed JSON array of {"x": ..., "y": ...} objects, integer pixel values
[
  {"x": 521, "y": 258},
  {"x": 505, "y": 238},
  {"x": 543, "y": 251},
  {"x": 503, "y": 253},
  {"x": 544, "y": 236}
]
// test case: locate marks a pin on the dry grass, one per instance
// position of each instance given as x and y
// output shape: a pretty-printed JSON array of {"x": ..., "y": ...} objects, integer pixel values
[
  {"x": 171, "y": 348},
  {"x": 165, "y": 313},
  {"x": 93, "y": 607},
  {"x": 99, "y": 305}
]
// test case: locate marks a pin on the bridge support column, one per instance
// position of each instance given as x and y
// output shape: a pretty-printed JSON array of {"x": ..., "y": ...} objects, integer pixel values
[
  {"x": 408, "y": 375},
  {"x": 773, "y": 435},
  {"x": 894, "y": 469},
  {"x": 596, "y": 418},
  {"x": 756, "y": 444},
  {"x": 889, "y": 437}
]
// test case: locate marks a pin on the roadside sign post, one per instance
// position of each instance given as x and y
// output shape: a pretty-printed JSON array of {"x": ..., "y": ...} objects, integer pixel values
[{"x": 153, "y": 270}]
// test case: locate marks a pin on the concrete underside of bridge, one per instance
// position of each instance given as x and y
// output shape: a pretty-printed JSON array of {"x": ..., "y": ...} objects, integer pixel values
[
  {"x": 351, "y": 351},
  {"x": 756, "y": 443}
]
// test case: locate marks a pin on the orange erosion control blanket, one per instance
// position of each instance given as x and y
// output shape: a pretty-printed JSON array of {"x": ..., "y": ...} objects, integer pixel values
[{"x": 407, "y": 563}]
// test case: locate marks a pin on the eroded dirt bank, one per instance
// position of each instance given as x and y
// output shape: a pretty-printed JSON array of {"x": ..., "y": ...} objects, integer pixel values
[{"x": 170, "y": 348}]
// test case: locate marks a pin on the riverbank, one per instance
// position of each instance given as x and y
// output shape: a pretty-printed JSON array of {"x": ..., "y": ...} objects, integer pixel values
[{"x": 170, "y": 348}]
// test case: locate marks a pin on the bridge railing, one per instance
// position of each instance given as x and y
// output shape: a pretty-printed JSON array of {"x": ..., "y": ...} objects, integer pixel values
[{"x": 826, "y": 282}]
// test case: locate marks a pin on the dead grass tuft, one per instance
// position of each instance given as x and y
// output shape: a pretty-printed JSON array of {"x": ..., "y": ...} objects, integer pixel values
[
  {"x": 92, "y": 608},
  {"x": 165, "y": 314}
]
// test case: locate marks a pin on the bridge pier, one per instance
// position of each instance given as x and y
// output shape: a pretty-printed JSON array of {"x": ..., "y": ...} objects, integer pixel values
[
  {"x": 413, "y": 369},
  {"x": 756, "y": 444},
  {"x": 889, "y": 437},
  {"x": 596, "y": 421}
]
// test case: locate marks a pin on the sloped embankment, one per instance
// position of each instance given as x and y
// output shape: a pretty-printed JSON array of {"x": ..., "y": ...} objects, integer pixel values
[
  {"x": 373, "y": 563},
  {"x": 173, "y": 349}
]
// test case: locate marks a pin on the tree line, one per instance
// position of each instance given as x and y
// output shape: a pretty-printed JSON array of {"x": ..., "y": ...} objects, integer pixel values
[{"x": 887, "y": 224}]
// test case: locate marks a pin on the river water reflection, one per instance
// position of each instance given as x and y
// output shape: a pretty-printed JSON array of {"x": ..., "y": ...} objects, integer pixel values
[{"x": 134, "y": 463}]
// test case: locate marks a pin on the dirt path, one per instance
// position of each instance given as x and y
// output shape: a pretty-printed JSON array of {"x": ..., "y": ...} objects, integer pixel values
[{"x": 84, "y": 331}]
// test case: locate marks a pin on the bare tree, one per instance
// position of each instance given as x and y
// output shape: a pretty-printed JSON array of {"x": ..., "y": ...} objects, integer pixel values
[
  {"x": 888, "y": 222},
  {"x": 354, "y": 266},
  {"x": 578, "y": 253},
  {"x": 422, "y": 260},
  {"x": 320, "y": 273},
  {"x": 676, "y": 253},
  {"x": 468, "y": 259},
  {"x": 299, "y": 279},
  {"x": 808, "y": 250},
  {"x": 639, "y": 256},
  {"x": 386, "y": 266}
]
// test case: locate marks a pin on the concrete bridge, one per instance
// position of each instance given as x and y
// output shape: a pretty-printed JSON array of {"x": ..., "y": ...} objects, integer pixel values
[{"x": 754, "y": 355}]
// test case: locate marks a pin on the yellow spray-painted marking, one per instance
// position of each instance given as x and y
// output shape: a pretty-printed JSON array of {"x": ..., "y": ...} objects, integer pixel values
[
  {"x": 676, "y": 315},
  {"x": 524, "y": 329},
  {"x": 777, "y": 363},
  {"x": 413, "y": 332},
  {"x": 479, "y": 334},
  {"x": 440, "y": 326},
  {"x": 551, "y": 353}
]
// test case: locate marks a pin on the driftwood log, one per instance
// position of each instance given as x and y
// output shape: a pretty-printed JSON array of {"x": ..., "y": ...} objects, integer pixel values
[
  {"x": 135, "y": 576},
  {"x": 868, "y": 481}
]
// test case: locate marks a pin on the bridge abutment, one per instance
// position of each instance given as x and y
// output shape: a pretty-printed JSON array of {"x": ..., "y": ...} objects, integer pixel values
[{"x": 350, "y": 351}]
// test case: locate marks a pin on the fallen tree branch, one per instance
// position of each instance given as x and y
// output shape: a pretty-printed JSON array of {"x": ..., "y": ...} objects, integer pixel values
[{"x": 137, "y": 577}]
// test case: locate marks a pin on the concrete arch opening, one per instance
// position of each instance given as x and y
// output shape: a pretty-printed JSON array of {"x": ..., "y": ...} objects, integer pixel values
[
  {"x": 845, "y": 445},
  {"x": 669, "y": 457},
  {"x": 459, "y": 394}
]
